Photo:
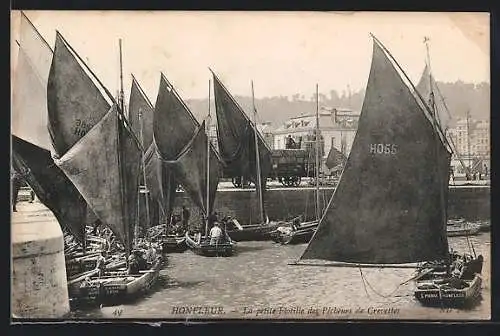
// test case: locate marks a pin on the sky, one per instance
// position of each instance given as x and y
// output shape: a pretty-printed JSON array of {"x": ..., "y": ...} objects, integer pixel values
[{"x": 282, "y": 52}]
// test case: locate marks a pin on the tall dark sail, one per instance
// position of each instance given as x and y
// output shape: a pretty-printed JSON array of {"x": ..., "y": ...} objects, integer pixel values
[
  {"x": 75, "y": 103},
  {"x": 174, "y": 126},
  {"x": 51, "y": 186},
  {"x": 139, "y": 104},
  {"x": 387, "y": 207},
  {"x": 29, "y": 100},
  {"x": 101, "y": 156},
  {"x": 428, "y": 89},
  {"x": 235, "y": 134},
  {"x": 190, "y": 169}
]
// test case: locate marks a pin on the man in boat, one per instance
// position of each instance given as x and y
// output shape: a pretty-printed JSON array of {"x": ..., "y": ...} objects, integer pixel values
[
  {"x": 472, "y": 267},
  {"x": 212, "y": 218},
  {"x": 100, "y": 264},
  {"x": 215, "y": 234},
  {"x": 96, "y": 227},
  {"x": 290, "y": 143},
  {"x": 185, "y": 217},
  {"x": 133, "y": 264}
]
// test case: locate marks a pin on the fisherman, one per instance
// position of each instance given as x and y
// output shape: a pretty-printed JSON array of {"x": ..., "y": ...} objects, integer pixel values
[
  {"x": 215, "y": 234},
  {"x": 185, "y": 217},
  {"x": 472, "y": 267},
  {"x": 133, "y": 264},
  {"x": 212, "y": 218},
  {"x": 95, "y": 228},
  {"x": 100, "y": 264}
]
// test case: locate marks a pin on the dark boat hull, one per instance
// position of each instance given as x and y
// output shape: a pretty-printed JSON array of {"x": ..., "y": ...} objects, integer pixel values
[
  {"x": 300, "y": 235},
  {"x": 116, "y": 287},
  {"x": 257, "y": 232},
  {"x": 430, "y": 293},
  {"x": 174, "y": 244},
  {"x": 224, "y": 249}
]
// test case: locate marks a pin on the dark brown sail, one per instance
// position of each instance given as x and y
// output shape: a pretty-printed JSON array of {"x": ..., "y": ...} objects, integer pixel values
[
  {"x": 235, "y": 135},
  {"x": 51, "y": 186},
  {"x": 139, "y": 104},
  {"x": 335, "y": 158},
  {"x": 29, "y": 100},
  {"x": 102, "y": 156},
  {"x": 75, "y": 103},
  {"x": 190, "y": 169},
  {"x": 428, "y": 89},
  {"x": 95, "y": 166},
  {"x": 387, "y": 207}
]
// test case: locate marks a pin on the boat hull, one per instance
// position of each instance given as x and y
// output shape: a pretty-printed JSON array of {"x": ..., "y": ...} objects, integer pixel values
[
  {"x": 224, "y": 249},
  {"x": 116, "y": 287},
  {"x": 257, "y": 232},
  {"x": 430, "y": 293},
  {"x": 174, "y": 244}
]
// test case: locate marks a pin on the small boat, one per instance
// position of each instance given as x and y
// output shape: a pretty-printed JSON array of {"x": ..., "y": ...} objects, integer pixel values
[
  {"x": 201, "y": 246},
  {"x": 463, "y": 229},
  {"x": 253, "y": 232},
  {"x": 173, "y": 243},
  {"x": 114, "y": 286},
  {"x": 298, "y": 235}
]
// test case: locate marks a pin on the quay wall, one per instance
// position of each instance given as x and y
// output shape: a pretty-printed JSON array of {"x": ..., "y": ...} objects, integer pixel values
[
  {"x": 469, "y": 202},
  {"x": 38, "y": 273}
]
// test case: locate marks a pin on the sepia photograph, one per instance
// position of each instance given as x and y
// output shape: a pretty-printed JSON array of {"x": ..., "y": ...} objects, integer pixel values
[{"x": 232, "y": 165}]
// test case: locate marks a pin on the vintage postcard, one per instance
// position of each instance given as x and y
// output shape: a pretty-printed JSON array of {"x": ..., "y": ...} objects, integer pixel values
[{"x": 250, "y": 165}]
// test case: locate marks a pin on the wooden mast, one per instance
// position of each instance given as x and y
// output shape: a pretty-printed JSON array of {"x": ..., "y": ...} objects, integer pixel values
[
  {"x": 207, "y": 128},
  {"x": 257, "y": 160},
  {"x": 146, "y": 190},
  {"x": 317, "y": 155}
]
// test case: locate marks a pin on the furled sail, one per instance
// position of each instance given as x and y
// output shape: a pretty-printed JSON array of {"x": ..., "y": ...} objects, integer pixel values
[
  {"x": 428, "y": 89},
  {"x": 388, "y": 205},
  {"x": 235, "y": 135},
  {"x": 94, "y": 145},
  {"x": 29, "y": 100},
  {"x": 190, "y": 169},
  {"x": 51, "y": 186}
]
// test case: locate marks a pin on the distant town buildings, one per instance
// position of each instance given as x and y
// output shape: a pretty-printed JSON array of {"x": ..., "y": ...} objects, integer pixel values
[
  {"x": 337, "y": 127},
  {"x": 472, "y": 143}
]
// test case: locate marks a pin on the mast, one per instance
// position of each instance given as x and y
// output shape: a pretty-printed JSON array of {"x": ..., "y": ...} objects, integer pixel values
[
  {"x": 257, "y": 159},
  {"x": 317, "y": 155},
  {"x": 208, "y": 160},
  {"x": 468, "y": 144},
  {"x": 146, "y": 190},
  {"x": 432, "y": 105},
  {"x": 121, "y": 78}
]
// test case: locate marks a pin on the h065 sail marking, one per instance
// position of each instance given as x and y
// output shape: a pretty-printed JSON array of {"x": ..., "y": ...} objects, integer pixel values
[{"x": 383, "y": 148}]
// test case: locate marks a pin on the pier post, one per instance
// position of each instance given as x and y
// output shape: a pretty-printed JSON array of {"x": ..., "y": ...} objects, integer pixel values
[{"x": 38, "y": 271}]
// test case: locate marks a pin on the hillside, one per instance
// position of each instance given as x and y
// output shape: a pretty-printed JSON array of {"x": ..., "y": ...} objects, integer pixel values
[{"x": 459, "y": 97}]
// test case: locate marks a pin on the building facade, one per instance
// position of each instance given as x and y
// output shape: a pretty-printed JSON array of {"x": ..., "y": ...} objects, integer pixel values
[{"x": 337, "y": 127}]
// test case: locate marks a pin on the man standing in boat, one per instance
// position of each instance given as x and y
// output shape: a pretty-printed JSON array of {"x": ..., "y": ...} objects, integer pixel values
[
  {"x": 215, "y": 234},
  {"x": 212, "y": 218},
  {"x": 101, "y": 264},
  {"x": 185, "y": 217}
]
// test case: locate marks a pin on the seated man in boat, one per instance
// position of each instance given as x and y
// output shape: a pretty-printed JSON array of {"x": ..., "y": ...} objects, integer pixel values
[
  {"x": 141, "y": 261},
  {"x": 100, "y": 264},
  {"x": 133, "y": 264},
  {"x": 215, "y": 234},
  {"x": 472, "y": 267}
]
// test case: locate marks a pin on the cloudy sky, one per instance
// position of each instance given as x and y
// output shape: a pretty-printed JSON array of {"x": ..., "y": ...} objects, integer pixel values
[{"x": 282, "y": 52}]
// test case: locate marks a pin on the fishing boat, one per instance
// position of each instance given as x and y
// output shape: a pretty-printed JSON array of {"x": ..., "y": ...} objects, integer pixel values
[
  {"x": 243, "y": 150},
  {"x": 188, "y": 156},
  {"x": 252, "y": 232},
  {"x": 462, "y": 229},
  {"x": 31, "y": 146},
  {"x": 97, "y": 150},
  {"x": 389, "y": 208}
]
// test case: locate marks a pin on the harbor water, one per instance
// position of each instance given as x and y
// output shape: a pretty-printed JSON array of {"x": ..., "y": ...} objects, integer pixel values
[{"x": 258, "y": 282}]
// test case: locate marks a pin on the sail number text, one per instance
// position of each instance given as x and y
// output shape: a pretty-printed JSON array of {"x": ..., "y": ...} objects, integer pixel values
[
  {"x": 383, "y": 149},
  {"x": 80, "y": 128}
]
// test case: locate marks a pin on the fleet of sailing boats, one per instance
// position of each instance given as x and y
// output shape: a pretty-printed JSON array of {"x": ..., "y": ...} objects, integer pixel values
[{"x": 93, "y": 163}]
